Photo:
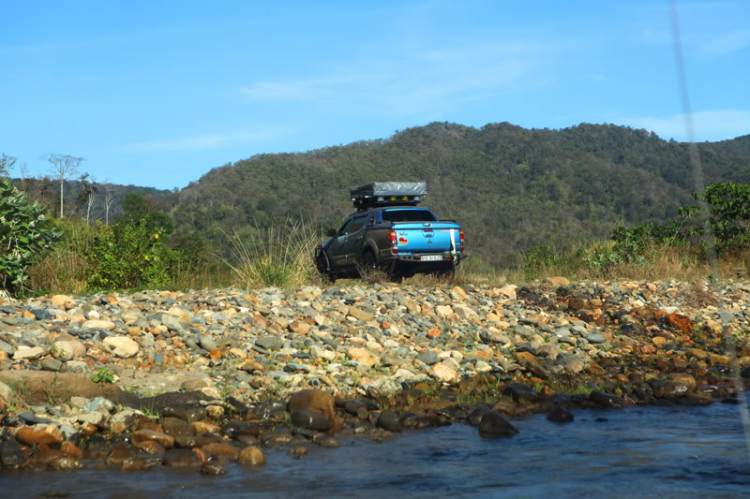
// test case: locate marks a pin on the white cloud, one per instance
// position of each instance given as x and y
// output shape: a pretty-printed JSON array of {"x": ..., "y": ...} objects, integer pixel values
[
  {"x": 728, "y": 43},
  {"x": 411, "y": 83},
  {"x": 718, "y": 124},
  {"x": 208, "y": 141}
]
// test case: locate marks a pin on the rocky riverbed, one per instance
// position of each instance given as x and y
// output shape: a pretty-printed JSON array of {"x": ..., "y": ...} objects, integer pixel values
[{"x": 199, "y": 379}]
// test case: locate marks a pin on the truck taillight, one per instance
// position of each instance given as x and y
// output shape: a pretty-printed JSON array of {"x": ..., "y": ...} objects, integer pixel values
[
  {"x": 461, "y": 237},
  {"x": 394, "y": 243}
]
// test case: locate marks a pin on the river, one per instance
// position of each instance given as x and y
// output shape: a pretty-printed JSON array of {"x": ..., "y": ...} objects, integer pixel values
[{"x": 634, "y": 452}]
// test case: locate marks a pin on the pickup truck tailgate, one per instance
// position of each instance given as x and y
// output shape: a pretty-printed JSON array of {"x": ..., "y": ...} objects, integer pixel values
[{"x": 426, "y": 237}]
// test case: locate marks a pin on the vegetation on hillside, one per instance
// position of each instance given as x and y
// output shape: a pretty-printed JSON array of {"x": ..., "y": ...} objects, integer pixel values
[{"x": 511, "y": 188}]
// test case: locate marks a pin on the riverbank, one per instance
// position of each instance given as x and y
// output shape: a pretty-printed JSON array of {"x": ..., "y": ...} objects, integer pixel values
[{"x": 199, "y": 379}]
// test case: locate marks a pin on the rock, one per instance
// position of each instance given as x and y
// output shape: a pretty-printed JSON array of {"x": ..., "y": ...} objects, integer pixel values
[
  {"x": 270, "y": 343},
  {"x": 560, "y": 415},
  {"x": 464, "y": 312},
  {"x": 6, "y": 392},
  {"x": 745, "y": 373},
  {"x": 383, "y": 388},
  {"x": 595, "y": 338},
  {"x": 444, "y": 311},
  {"x": 11, "y": 455},
  {"x": 509, "y": 291},
  {"x": 671, "y": 389},
  {"x": 557, "y": 281},
  {"x": 572, "y": 363},
  {"x": 208, "y": 343},
  {"x": 177, "y": 427},
  {"x": 684, "y": 378},
  {"x": 493, "y": 337},
  {"x": 429, "y": 357},
  {"x": 47, "y": 434},
  {"x": 360, "y": 314},
  {"x": 63, "y": 302},
  {"x": 29, "y": 353},
  {"x": 95, "y": 418},
  {"x": 51, "y": 365},
  {"x": 315, "y": 401},
  {"x": 311, "y": 420},
  {"x": 98, "y": 324},
  {"x": 221, "y": 449},
  {"x": 444, "y": 373},
  {"x": 65, "y": 463},
  {"x": 607, "y": 400},
  {"x": 251, "y": 456},
  {"x": 493, "y": 424},
  {"x": 388, "y": 420},
  {"x": 194, "y": 384},
  {"x": 475, "y": 416},
  {"x": 162, "y": 439},
  {"x": 361, "y": 355},
  {"x": 122, "y": 346},
  {"x": 519, "y": 392},
  {"x": 298, "y": 452},
  {"x": 181, "y": 459},
  {"x": 64, "y": 350},
  {"x": 317, "y": 352},
  {"x": 212, "y": 467}
]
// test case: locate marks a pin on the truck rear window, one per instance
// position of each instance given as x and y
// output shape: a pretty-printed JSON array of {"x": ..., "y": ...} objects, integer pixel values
[{"x": 408, "y": 216}]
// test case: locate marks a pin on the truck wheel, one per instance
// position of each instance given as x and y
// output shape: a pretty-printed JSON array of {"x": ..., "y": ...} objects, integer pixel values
[
  {"x": 321, "y": 262},
  {"x": 367, "y": 264}
]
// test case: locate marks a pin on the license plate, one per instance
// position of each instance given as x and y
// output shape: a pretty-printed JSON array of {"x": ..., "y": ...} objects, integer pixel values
[{"x": 431, "y": 258}]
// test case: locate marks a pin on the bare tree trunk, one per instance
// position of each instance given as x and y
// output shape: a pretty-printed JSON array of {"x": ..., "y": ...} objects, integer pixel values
[{"x": 62, "y": 194}]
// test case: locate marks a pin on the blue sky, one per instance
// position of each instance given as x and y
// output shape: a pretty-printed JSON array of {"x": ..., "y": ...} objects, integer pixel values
[{"x": 158, "y": 93}]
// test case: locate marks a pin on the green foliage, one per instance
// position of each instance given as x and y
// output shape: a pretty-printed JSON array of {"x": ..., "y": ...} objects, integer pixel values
[
  {"x": 26, "y": 234},
  {"x": 538, "y": 260},
  {"x": 103, "y": 376},
  {"x": 730, "y": 215},
  {"x": 128, "y": 255}
]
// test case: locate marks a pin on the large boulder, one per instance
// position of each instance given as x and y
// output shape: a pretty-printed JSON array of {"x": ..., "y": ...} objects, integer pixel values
[{"x": 313, "y": 401}]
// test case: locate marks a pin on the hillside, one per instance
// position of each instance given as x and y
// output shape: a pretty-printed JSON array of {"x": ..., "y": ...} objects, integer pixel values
[{"x": 511, "y": 187}]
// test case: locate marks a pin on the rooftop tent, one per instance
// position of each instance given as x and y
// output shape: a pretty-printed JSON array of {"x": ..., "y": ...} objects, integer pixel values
[{"x": 389, "y": 194}]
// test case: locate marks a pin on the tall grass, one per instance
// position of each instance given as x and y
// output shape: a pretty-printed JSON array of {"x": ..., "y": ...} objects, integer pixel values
[
  {"x": 65, "y": 269},
  {"x": 275, "y": 257}
]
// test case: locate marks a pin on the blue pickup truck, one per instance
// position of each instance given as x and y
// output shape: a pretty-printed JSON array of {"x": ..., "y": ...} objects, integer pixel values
[{"x": 388, "y": 231}]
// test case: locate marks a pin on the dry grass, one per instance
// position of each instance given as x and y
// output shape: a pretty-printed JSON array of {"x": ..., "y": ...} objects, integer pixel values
[
  {"x": 63, "y": 271},
  {"x": 275, "y": 257}
]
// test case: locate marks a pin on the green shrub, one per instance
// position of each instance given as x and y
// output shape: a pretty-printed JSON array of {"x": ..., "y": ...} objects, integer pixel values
[
  {"x": 26, "y": 234},
  {"x": 538, "y": 260},
  {"x": 128, "y": 255}
]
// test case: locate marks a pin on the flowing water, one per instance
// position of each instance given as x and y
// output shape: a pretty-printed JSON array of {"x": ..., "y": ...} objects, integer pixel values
[{"x": 635, "y": 452}]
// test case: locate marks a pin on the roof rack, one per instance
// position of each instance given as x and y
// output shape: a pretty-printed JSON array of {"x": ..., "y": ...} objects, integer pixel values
[{"x": 388, "y": 194}]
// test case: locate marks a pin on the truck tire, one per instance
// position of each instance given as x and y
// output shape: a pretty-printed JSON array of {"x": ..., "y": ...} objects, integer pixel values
[
  {"x": 367, "y": 264},
  {"x": 321, "y": 263}
]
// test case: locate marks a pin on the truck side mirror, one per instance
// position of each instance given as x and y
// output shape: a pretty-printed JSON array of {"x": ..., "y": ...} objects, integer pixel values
[{"x": 332, "y": 233}]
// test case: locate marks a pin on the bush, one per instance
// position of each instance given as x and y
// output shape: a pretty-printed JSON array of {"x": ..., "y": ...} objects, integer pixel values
[
  {"x": 128, "y": 255},
  {"x": 26, "y": 234},
  {"x": 538, "y": 260}
]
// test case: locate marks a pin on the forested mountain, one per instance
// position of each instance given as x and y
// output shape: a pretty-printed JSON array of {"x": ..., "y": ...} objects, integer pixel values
[{"x": 510, "y": 187}]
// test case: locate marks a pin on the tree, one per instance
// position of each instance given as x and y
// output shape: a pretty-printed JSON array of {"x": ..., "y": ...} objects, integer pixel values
[
  {"x": 64, "y": 166},
  {"x": 86, "y": 194},
  {"x": 6, "y": 164},
  {"x": 109, "y": 197},
  {"x": 25, "y": 235},
  {"x": 134, "y": 205}
]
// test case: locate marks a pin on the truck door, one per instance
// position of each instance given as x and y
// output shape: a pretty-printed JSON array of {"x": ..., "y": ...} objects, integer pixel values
[{"x": 353, "y": 240}]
